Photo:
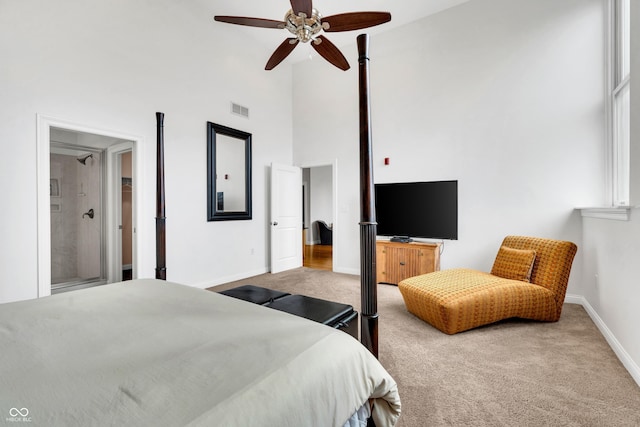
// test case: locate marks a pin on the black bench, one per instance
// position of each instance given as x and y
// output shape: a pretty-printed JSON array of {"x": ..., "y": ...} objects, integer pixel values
[
  {"x": 333, "y": 314},
  {"x": 254, "y": 294}
]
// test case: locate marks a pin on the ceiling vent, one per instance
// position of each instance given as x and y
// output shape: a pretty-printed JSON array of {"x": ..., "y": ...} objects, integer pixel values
[{"x": 239, "y": 110}]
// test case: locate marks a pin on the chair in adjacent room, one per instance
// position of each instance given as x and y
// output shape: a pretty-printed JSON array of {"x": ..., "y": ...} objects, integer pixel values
[
  {"x": 325, "y": 232},
  {"x": 528, "y": 280}
]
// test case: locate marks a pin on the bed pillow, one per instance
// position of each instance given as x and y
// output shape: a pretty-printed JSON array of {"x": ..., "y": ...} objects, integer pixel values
[{"x": 514, "y": 264}]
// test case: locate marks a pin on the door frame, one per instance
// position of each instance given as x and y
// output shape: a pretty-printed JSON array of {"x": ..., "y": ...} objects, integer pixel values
[
  {"x": 336, "y": 227},
  {"x": 114, "y": 210},
  {"x": 43, "y": 136}
]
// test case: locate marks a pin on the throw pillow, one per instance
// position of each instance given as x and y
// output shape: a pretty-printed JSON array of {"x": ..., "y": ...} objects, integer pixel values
[{"x": 514, "y": 264}]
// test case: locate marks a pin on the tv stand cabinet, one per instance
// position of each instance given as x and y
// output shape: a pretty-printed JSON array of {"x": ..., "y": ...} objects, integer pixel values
[{"x": 397, "y": 261}]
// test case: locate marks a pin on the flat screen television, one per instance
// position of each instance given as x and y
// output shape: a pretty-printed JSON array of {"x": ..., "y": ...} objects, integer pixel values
[{"x": 417, "y": 209}]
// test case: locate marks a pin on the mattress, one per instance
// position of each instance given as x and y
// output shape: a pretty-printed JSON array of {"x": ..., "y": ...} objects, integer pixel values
[{"x": 150, "y": 352}]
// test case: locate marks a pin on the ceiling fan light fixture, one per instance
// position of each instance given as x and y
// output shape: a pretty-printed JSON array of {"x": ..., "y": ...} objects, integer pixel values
[{"x": 302, "y": 27}]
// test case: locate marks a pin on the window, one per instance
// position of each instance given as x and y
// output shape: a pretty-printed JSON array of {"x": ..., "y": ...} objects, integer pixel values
[{"x": 619, "y": 100}]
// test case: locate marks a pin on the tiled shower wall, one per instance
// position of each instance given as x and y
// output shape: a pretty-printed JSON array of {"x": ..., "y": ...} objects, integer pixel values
[{"x": 75, "y": 240}]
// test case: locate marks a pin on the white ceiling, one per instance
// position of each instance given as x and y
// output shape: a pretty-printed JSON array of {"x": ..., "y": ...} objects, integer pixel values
[{"x": 402, "y": 12}]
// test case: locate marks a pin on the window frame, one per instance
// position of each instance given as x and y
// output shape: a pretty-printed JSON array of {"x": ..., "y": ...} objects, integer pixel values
[{"x": 617, "y": 87}]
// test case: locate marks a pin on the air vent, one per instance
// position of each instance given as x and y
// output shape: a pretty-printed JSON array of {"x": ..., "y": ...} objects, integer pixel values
[{"x": 239, "y": 110}]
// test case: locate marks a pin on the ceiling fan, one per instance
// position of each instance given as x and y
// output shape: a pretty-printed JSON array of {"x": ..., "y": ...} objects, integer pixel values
[{"x": 305, "y": 22}]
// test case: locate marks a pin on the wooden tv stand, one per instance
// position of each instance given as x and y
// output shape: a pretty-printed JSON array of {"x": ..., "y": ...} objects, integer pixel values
[{"x": 397, "y": 261}]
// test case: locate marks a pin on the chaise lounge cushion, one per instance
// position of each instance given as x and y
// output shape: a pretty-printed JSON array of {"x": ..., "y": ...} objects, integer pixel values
[{"x": 460, "y": 299}]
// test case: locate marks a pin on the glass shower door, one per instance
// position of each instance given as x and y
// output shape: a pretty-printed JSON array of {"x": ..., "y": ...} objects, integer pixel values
[{"x": 76, "y": 181}]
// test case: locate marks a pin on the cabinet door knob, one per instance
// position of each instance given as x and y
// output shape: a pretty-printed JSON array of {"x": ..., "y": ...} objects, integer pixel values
[{"x": 401, "y": 262}]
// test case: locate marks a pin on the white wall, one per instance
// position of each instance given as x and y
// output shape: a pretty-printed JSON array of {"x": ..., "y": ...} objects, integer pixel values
[
  {"x": 610, "y": 283},
  {"x": 112, "y": 65},
  {"x": 612, "y": 248},
  {"x": 505, "y": 96}
]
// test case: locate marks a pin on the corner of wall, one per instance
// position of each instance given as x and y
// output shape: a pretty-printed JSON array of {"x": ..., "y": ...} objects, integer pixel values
[{"x": 618, "y": 349}]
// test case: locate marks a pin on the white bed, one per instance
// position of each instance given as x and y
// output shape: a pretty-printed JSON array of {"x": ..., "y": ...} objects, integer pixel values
[{"x": 149, "y": 352}]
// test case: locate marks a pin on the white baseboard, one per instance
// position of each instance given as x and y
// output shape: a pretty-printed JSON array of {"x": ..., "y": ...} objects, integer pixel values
[
  {"x": 574, "y": 299},
  {"x": 615, "y": 345},
  {"x": 354, "y": 271},
  {"x": 232, "y": 278}
]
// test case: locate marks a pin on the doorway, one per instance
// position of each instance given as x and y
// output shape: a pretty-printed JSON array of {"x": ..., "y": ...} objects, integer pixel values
[
  {"x": 125, "y": 211},
  {"x": 85, "y": 203},
  {"x": 319, "y": 216}
]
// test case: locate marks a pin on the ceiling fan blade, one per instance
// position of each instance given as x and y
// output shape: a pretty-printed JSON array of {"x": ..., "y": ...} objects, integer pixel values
[
  {"x": 355, "y": 20},
  {"x": 330, "y": 52},
  {"x": 304, "y": 6},
  {"x": 281, "y": 52},
  {"x": 251, "y": 22}
]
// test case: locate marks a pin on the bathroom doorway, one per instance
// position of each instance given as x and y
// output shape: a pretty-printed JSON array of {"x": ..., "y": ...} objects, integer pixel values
[{"x": 86, "y": 206}]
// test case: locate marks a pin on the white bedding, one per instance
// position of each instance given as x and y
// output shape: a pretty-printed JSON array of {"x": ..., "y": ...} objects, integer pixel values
[{"x": 149, "y": 352}]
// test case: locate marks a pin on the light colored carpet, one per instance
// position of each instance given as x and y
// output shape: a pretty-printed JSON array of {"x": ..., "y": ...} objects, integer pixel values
[{"x": 513, "y": 373}]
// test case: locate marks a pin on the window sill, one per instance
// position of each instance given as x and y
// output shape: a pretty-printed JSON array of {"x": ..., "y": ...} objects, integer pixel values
[{"x": 620, "y": 213}]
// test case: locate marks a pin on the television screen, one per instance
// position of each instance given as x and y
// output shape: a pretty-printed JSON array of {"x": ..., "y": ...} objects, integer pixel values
[{"x": 418, "y": 209}]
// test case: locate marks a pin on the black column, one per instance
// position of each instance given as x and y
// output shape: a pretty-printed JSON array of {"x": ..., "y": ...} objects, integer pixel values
[{"x": 368, "y": 282}]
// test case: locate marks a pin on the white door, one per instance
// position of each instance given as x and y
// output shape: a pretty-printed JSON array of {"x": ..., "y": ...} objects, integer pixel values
[{"x": 286, "y": 217}]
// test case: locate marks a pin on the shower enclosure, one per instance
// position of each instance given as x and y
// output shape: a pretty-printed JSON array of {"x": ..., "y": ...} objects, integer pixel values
[{"x": 77, "y": 220}]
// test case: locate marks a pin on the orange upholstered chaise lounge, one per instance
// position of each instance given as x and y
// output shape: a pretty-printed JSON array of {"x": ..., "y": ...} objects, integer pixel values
[{"x": 528, "y": 280}]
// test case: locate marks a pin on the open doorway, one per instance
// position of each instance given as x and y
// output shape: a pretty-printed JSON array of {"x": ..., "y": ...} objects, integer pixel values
[
  {"x": 126, "y": 213},
  {"x": 84, "y": 199},
  {"x": 121, "y": 205},
  {"x": 318, "y": 216}
]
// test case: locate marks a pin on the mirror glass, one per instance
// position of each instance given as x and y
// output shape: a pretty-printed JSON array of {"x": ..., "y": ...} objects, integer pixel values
[{"x": 228, "y": 173}]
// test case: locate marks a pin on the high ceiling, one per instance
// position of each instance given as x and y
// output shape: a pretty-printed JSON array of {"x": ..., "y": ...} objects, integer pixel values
[{"x": 402, "y": 12}]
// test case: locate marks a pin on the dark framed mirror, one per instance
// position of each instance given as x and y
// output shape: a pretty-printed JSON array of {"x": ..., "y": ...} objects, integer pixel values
[{"x": 228, "y": 173}]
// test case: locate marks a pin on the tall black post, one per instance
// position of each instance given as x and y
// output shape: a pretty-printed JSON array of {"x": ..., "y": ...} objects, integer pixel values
[
  {"x": 161, "y": 270},
  {"x": 368, "y": 282}
]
